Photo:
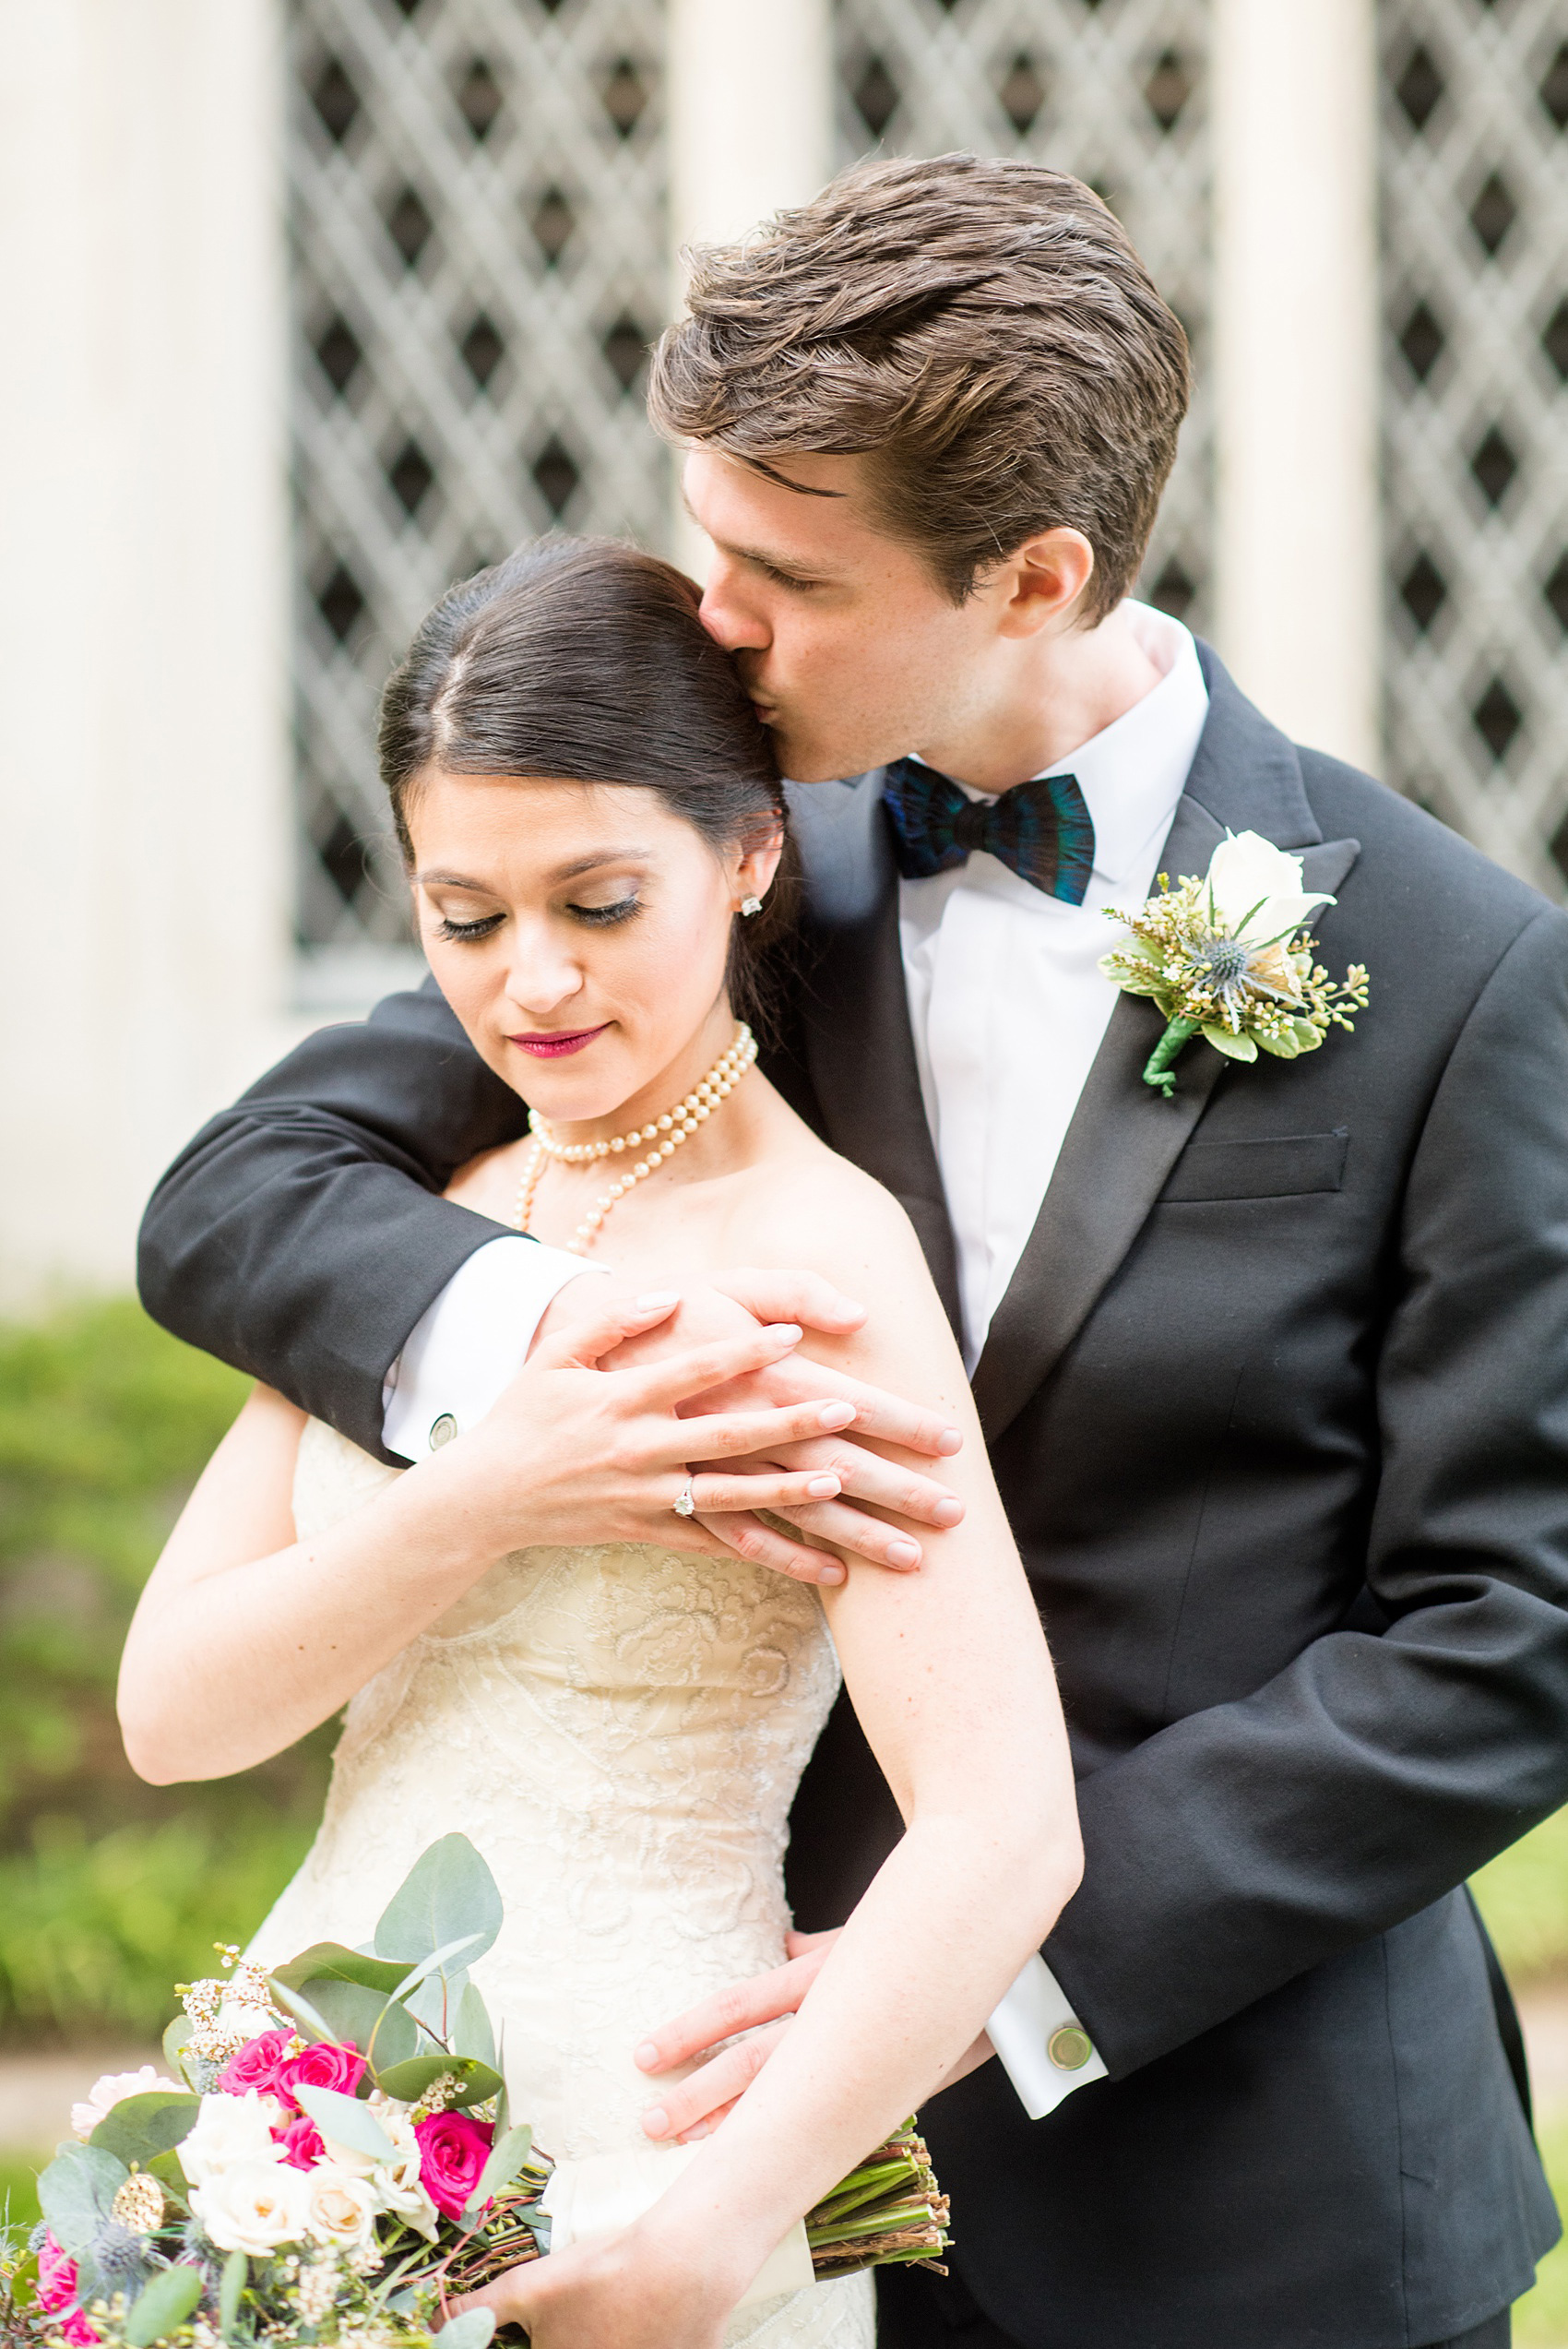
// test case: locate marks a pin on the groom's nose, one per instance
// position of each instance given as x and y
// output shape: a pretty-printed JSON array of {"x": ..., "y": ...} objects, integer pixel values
[{"x": 730, "y": 614}]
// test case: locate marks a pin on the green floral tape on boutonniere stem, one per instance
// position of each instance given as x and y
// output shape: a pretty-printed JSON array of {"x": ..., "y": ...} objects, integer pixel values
[{"x": 1227, "y": 956}]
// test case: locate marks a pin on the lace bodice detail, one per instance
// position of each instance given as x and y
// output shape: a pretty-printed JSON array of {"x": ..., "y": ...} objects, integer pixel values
[{"x": 620, "y": 1730}]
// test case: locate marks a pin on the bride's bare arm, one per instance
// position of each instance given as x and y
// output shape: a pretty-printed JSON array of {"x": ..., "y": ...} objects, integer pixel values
[
  {"x": 950, "y": 1675},
  {"x": 246, "y": 1637}
]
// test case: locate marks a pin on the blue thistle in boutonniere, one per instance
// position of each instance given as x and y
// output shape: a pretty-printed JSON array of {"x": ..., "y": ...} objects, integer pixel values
[{"x": 1227, "y": 956}]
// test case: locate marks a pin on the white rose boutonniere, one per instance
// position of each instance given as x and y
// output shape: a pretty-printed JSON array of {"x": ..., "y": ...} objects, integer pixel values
[{"x": 1222, "y": 957}]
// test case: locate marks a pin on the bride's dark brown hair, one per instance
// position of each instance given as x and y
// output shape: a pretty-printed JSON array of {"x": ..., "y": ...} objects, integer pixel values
[{"x": 584, "y": 659}]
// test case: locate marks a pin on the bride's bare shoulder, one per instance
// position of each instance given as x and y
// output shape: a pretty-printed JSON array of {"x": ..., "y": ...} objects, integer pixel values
[{"x": 808, "y": 1207}]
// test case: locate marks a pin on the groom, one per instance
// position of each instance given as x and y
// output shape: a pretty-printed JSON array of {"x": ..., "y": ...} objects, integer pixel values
[{"x": 1274, "y": 1373}]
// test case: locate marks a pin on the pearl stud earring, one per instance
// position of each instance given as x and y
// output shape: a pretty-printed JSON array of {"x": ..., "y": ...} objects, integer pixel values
[{"x": 750, "y": 905}]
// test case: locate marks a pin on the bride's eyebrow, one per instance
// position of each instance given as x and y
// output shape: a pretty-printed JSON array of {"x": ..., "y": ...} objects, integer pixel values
[{"x": 578, "y": 865}]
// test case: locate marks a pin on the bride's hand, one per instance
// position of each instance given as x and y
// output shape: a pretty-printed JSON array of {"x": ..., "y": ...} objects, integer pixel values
[{"x": 625, "y": 2293}]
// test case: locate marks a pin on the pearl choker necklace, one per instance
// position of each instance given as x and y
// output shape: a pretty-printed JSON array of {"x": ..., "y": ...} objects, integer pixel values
[{"x": 666, "y": 1132}]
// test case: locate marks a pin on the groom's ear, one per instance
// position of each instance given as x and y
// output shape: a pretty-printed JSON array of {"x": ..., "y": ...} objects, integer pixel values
[{"x": 1044, "y": 585}]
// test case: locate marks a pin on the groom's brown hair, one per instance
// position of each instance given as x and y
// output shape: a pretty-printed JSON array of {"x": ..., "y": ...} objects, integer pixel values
[{"x": 981, "y": 333}]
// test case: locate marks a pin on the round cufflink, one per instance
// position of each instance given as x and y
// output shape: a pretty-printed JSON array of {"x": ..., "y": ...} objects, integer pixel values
[
  {"x": 442, "y": 1431},
  {"x": 1069, "y": 2048}
]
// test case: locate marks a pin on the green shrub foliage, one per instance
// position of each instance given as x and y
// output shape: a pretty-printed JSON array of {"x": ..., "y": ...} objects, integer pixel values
[{"x": 111, "y": 1890}]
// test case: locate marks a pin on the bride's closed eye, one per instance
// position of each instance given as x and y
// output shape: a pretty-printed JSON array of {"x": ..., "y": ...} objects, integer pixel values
[
  {"x": 458, "y": 931},
  {"x": 599, "y": 917}
]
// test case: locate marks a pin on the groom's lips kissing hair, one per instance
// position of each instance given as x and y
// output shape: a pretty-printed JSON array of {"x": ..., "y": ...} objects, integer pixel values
[{"x": 555, "y": 1045}]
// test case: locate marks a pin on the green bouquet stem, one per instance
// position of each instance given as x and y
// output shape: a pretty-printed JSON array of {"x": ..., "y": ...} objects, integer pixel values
[
  {"x": 889, "y": 2212},
  {"x": 1159, "y": 1069}
]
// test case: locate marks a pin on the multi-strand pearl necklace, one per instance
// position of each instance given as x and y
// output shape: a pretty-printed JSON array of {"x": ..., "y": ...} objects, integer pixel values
[{"x": 666, "y": 1132}]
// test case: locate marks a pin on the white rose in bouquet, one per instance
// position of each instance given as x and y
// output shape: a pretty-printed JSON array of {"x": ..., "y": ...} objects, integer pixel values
[
  {"x": 1257, "y": 889},
  {"x": 230, "y": 2130},
  {"x": 113, "y": 2089},
  {"x": 340, "y": 2208},
  {"x": 253, "y": 2205}
]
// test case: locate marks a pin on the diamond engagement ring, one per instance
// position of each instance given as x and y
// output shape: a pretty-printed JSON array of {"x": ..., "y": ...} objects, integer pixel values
[{"x": 687, "y": 1505}]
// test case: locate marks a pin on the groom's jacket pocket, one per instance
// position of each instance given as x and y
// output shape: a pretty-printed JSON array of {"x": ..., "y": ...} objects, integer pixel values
[{"x": 1274, "y": 1169}]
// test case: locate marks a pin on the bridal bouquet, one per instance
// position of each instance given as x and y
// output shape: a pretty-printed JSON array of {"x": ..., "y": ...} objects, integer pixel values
[{"x": 336, "y": 2161}]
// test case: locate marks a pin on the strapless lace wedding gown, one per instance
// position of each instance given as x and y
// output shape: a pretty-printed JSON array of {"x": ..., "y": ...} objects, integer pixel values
[{"x": 620, "y": 1730}]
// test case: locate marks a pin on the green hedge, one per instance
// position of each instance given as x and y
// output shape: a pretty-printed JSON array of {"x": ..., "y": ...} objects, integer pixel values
[{"x": 111, "y": 1890}]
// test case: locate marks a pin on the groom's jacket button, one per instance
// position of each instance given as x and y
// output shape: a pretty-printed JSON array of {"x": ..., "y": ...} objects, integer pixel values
[
  {"x": 442, "y": 1431},
  {"x": 1069, "y": 2048}
]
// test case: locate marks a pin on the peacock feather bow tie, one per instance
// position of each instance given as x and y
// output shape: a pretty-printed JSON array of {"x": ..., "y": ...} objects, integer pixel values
[{"x": 1043, "y": 831}]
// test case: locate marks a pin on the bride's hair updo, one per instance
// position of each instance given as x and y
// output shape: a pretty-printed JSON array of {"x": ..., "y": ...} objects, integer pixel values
[{"x": 584, "y": 659}]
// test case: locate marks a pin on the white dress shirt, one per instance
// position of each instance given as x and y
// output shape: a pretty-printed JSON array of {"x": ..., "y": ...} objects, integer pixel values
[
  {"x": 1007, "y": 1001},
  {"x": 1008, "y": 1007}
]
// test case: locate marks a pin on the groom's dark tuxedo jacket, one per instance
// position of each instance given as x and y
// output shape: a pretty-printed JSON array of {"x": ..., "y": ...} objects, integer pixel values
[{"x": 1278, "y": 1404}]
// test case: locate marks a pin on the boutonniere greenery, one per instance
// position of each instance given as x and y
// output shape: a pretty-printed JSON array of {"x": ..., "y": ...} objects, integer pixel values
[{"x": 1227, "y": 956}]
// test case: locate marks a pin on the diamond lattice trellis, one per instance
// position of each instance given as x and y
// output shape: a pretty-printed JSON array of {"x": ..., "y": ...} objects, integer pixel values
[
  {"x": 1111, "y": 90},
  {"x": 1475, "y": 181},
  {"x": 478, "y": 202}
]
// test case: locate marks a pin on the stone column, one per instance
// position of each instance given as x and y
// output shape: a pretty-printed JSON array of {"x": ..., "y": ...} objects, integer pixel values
[
  {"x": 143, "y": 604},
  {"x": 1297, "y": 365},
  {"x": 750, "y": 129}
]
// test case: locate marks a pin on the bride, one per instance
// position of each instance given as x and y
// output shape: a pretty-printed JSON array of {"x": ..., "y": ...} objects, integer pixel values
[{"x": 591, "y": 820}]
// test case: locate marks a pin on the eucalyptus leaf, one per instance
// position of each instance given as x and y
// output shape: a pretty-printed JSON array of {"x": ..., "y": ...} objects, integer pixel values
[
  {"x": 166, "y": 2169},
  {"x": 436, "y": 1964},
  {"x": 507, "y": 2158},
  {"x": 76, "y": 2190},
  {"x": 351, "y": 2012},
  {"x": 330, "y": 1961},
  {"x": 472, "y": 2034},
  {"x": 473, "y": 2330},
  {"x": 347, "y": 2122},
  {"x": 140, "y": 2128},
  {"x": 448, "y": 1893},
  {"x": 1233, "y": 1047},
  {"x": 163, "y": 2306},
  {"x": 236, "y": 2275},
  {"x": 409, "y": 2081},
  {"x": 176, "y": 2039},
  {"x": 295, "y": 2003}
]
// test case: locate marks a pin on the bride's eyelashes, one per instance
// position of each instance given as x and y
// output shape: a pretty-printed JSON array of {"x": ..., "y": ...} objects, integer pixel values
[
  {"x": 599, "y": 917},
  {"x": 596, "y": 917},
  {"x": 461, "y": 930}
]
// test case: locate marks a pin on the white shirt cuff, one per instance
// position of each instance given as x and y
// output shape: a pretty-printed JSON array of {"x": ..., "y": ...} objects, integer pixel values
[
  {"x": 472, "y": 1342},
  {"x": 1040, "y": 2044}
]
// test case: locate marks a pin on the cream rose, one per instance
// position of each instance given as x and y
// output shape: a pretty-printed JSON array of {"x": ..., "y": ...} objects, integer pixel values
[
  {"x": 253, "y": 2205},
  {"x": 1257, "y": 889},
  {"x": 231, "y": 2130},
  {"x": 113, "y": 2089},
  {"x": 340, "y": 2208}
]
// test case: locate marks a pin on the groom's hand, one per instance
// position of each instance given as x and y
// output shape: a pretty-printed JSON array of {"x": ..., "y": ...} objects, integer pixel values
[
  {"x": 850, "y": 1482},
  {"x": 762, "y": 2008}
]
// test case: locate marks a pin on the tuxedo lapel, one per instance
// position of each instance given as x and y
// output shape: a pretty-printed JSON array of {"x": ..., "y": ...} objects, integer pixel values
[
  {"x": 1124, "y": 1139},
  {"x": 855, "y": 1011}
]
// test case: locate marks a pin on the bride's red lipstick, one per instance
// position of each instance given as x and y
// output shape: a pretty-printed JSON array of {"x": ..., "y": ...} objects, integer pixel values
[{"x": 555, "y": 1043}]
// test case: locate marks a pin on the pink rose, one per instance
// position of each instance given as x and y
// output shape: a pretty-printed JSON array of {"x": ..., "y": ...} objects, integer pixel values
[
  {"x": 323, "y": 2066},
  {"x": 257, "y": 2065},
  {"x": 453, "y": 2150},
  {"x": 56, "y": 2277},
  {"x": 79, "y": 2333},
  {"x": 300, "y": 2143}
]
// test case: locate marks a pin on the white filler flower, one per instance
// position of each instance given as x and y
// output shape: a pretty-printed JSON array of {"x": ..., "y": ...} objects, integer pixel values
[
  {"x": 253, "y": 2205},
  {"x": 1257, "y": 889},
  {"x": 113, "y": 2089},
  {"x": 231, "y": 2130}
]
